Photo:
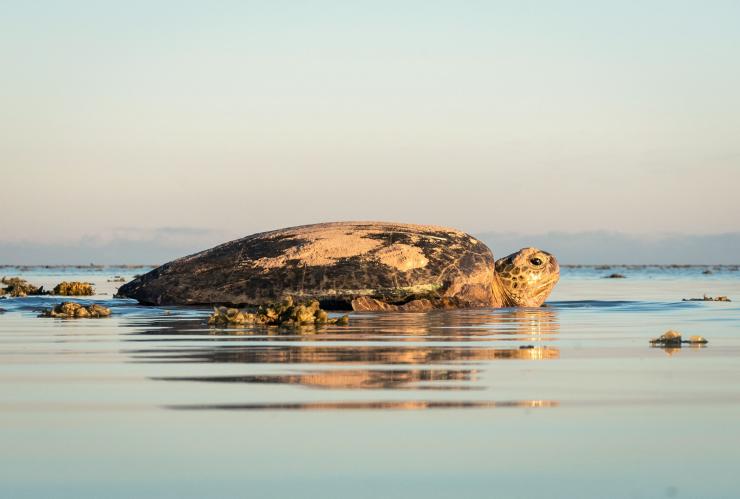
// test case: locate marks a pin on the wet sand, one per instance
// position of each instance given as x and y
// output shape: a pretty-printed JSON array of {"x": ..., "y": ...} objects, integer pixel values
[{"x": 569, "y": 400}]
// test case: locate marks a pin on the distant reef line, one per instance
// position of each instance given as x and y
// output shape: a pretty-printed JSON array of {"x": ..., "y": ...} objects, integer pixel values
[
  {"x": 608, "y": 248},
  {"x": 79, "y": 266},
  {"x": 571, "y": 248},
  {"x": 600, "y": 266}
]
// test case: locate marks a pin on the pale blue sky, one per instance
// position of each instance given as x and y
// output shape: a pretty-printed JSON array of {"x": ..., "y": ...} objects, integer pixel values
[{"x": 122, "y": 117}]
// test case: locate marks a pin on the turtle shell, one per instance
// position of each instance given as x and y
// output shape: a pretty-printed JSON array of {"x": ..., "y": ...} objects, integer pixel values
[{"x": 333, "y": 263}]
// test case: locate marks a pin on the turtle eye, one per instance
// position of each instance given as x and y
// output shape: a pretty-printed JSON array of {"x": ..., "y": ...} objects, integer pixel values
[{"x": 535, "y": 261}]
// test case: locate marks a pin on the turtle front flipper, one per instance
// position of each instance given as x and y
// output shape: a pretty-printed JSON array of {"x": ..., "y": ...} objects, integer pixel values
[{"x": 367, "y": 304}]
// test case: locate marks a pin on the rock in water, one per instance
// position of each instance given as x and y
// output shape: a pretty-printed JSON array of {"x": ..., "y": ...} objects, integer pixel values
[
  {"x": 673, "y": 338},
  {"x": 346, "y": 265},
  {"x": 670, "y": 337}
]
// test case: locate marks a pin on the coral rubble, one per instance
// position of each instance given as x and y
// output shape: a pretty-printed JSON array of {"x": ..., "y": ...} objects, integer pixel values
[
  {"x": 17, "y": 287},
  {"x": 74, "y": 288},
  {"x": 71, "y": 310},
  {"x": 285, "y": 313},
  {"x": 708, "y": 298}
]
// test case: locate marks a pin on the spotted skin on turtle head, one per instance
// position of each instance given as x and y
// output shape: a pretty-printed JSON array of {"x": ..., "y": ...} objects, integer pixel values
[{"x": 526, "y": 278}]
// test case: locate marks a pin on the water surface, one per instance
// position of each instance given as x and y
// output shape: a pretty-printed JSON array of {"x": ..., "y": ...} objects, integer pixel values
[{"x": 568, "y": 400}]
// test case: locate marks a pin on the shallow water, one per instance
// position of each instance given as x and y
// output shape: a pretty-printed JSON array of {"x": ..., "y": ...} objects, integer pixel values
[{"x": 567, "y": 400}]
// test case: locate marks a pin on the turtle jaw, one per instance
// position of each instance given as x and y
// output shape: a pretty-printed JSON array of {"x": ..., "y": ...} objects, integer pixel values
[
  {"x": 539, "y": 293},
  {"x": 535, "y": 297}
]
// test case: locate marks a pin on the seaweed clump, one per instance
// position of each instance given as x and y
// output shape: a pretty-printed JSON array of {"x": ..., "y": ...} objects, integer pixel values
[
  {"x": 18, "y": 288},
  {"x": 74, "y": 288},
  {"x": 71, "y": 310},
  {"x": 285, "y": 313}
]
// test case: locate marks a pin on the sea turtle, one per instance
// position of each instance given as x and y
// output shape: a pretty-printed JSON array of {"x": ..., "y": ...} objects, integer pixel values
[{"x": 353, "y": 265}]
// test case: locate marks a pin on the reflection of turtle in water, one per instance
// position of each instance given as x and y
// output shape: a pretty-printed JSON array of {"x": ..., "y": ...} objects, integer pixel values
[{"x": 353, "y": 265}]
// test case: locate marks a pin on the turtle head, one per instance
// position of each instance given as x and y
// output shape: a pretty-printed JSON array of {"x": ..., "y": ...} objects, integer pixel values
[{"x": 526, "y": 278}]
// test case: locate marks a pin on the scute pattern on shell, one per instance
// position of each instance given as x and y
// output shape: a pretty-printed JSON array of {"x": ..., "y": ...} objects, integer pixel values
[{"x": 332, "y": 263}]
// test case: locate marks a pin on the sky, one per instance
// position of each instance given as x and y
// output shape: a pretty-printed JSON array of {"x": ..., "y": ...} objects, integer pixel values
[{"x": 125, "y": 119}]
